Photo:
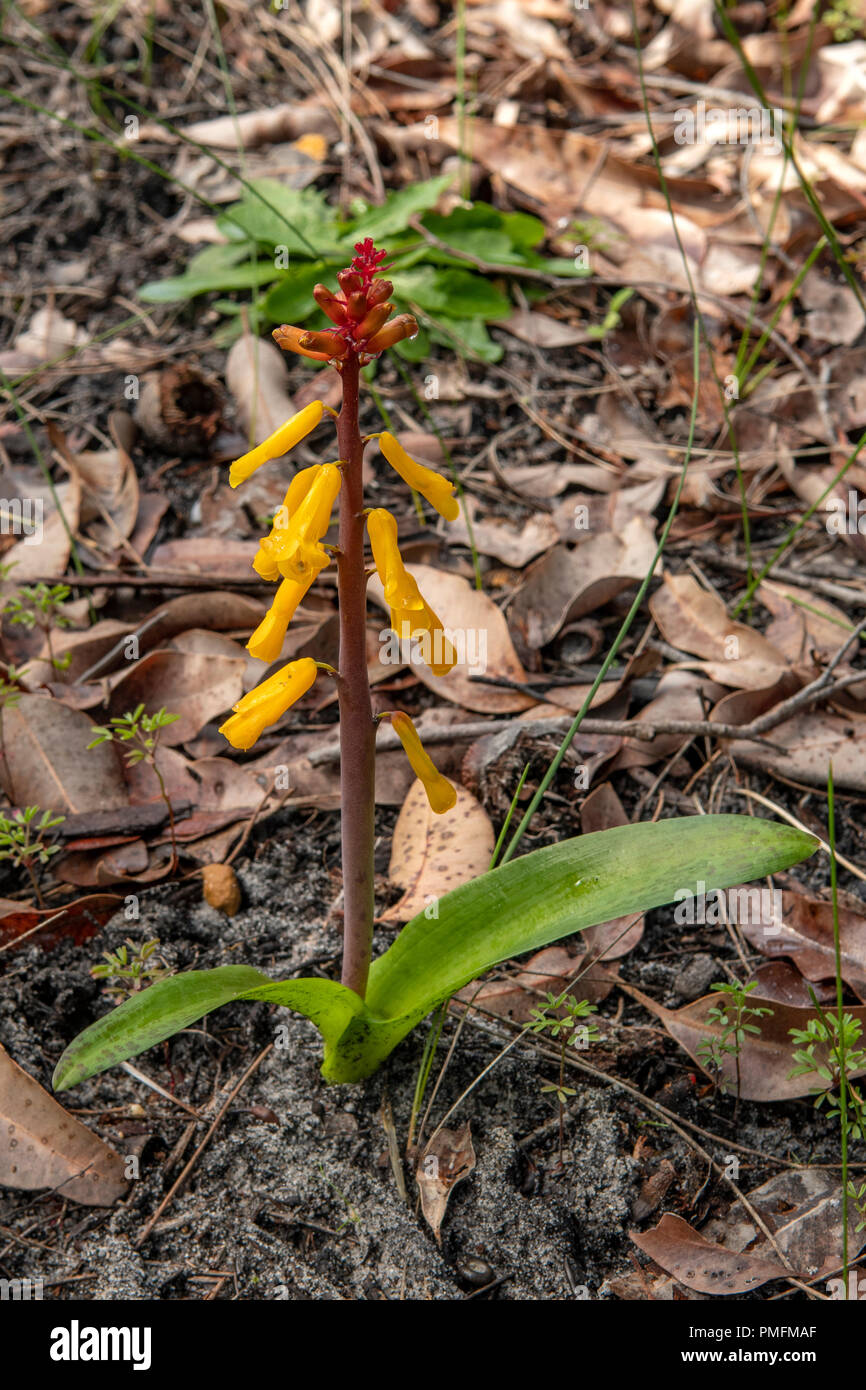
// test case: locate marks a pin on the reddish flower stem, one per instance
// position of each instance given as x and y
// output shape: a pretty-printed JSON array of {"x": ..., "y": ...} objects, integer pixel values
[{"x": 357, "y": 730}]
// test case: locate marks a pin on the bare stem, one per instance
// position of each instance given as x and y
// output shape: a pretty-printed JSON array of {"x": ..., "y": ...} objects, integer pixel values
[{"x": 357, "y": 731}]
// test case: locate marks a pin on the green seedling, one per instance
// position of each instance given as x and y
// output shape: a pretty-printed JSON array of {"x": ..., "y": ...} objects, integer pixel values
[
  {"x": 24, "y": 841},
  {"x": 132, "y": 967},
  {"x": 42, "y": 606},
  {"x": 734, "y": 1017},
  {"x": 563, "y": 1018},
  {"x": 139, "y": 734}
]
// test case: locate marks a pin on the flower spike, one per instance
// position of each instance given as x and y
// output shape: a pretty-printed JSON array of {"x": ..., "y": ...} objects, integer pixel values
[
  {"x": 268, "y": 702},
  {"x": 437, "y": 490},
  {"x": 280, "y": 442},
  {"x": 440, "y": 792}
]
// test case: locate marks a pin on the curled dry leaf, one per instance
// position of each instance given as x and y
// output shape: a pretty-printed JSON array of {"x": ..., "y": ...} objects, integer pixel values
[
  {"x": 257, "y": 376},
  {"x": 479, "y": 634},
  {"x": 47, "y": 763},
  {"x": 765, "y": 1059},
  {"x": 803, "y": 1209},
  {"x": 195, "y": 686},
  {"x": 805, "y": 934},
  {"x": 702, "y": 1265},
  {"x": 514, "y": 546},
  {"x": 811, "y": 741},
  {"x": 109, "y": 487},
  {"x": 50, "y": 558},
  {"x": 206, "y": 555},
  {"x": 42, "y": 1145},
  {"x": 447, "y": 1160},
  {"x": 432, "y": 854},
  {"x": 697, "y": 621},
  {"x": 567, "y": 584},
  {"x": 77, "y": 920}
]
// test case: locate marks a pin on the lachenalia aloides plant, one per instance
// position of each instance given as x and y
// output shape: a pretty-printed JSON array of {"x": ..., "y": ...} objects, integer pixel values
[{"x": 523, "y": 905}]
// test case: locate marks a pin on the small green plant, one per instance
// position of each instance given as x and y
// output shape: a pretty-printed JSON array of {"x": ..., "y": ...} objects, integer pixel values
[
  {"x": 832, "y": 1053},
  {"x": 858, "y": 1197},
  {"x": 132, "y": 967},
  {"x": 733, "y": 1016},
  {"x": 140, "y": 732},
  {"x": 282, "y": 241},
  {"x": 563, "y": 1018},
  {"x": 23, "y": 840},
  {"x": 10, "y": 686},
  {"x": 611, "y": 320},
  {"x": 42, "y": 606},
  {"x": 844, "y": 20}
]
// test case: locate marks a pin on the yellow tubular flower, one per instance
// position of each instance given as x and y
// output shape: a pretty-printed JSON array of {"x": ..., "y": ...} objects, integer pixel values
[
  {"x": 411, "y": 615},
  {"x": 280, "y": 442},
  {"x": 295, "y": 547},
  {"x": 437, "y": 490},
  {"x": 401, "y": 589},
  {"x": 440, "y": 793},
  {"x": 266, "y": 642},
  {"x": 268, "y": 702}
]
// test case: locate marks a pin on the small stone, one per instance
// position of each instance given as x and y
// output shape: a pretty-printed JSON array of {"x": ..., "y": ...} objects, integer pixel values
[
  {"x": 695, "y": 978},
  {"x": 476, "y": 1272},
  {"x": 221, "y": 888}
]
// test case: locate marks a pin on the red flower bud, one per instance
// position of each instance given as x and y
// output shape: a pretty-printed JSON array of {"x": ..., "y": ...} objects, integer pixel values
[
  {"x": 331, "y": 344},
  {"x": 335, "y": 308},
  {"x": 349, "y": 281},
  {"x": 289, "y": 339},
  {"x": 372, "y": 322},
  {"x": 379, "y": 291},
  {"x": 403, "y": 326},
  {"x": 356, "y": 304}
]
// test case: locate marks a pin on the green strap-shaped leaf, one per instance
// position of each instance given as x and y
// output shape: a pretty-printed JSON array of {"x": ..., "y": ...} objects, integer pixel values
[{"x": 520, "y": 907}]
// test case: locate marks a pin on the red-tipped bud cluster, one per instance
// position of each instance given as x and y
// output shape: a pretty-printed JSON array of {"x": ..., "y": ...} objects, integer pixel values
[{"x": 360, "y": 314}]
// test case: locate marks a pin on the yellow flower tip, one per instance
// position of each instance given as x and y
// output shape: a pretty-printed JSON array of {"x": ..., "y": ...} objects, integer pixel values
[
  {"x": 264, "y": 564},
  {"x": 263, "y": 706},
  {"x": 431, "y": 485},
  {"x": 441, "y": 794},
  {"x": 401, "y": 589},
  {"x": 280, "y": 442},
  {"x": 266, "y": 642}
]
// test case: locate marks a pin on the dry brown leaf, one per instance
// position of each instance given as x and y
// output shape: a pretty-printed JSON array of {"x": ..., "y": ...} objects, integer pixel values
[
  {"x": 697, "y": 621},
  {"x": 196, "y": 687},
  {"x": 811, "y": 742},
  {"x": 765, "y": 1060},
  {"x": 109, "y": 486},
  {"x": 42, "y": 1145},
  {"x": 803, "y": 1209},
  {"x": 700, "y": 1264},
  {"x": 567, "y": 584},
  {"x": 513, "y": 545},
  {"x": 805, "y": 934},
  {"x": 552, "y": 969},
  {"x": 77, "y": 920},
  {"x": 50, "y": 558},
  {"x": 257, "y": 377},
  {"x": 432, "y": 854},
  {"x": 448, "y": 1159},
  {"x": 47, "y": 763}
]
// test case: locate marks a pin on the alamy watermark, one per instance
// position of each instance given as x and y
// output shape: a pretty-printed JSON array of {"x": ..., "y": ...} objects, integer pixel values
[
  {"x": 760, "y": 907},
  {"x": 22, "y": 516},
  {"x": 414, "y": 647},
  {"x": 738, "y": 125}
]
